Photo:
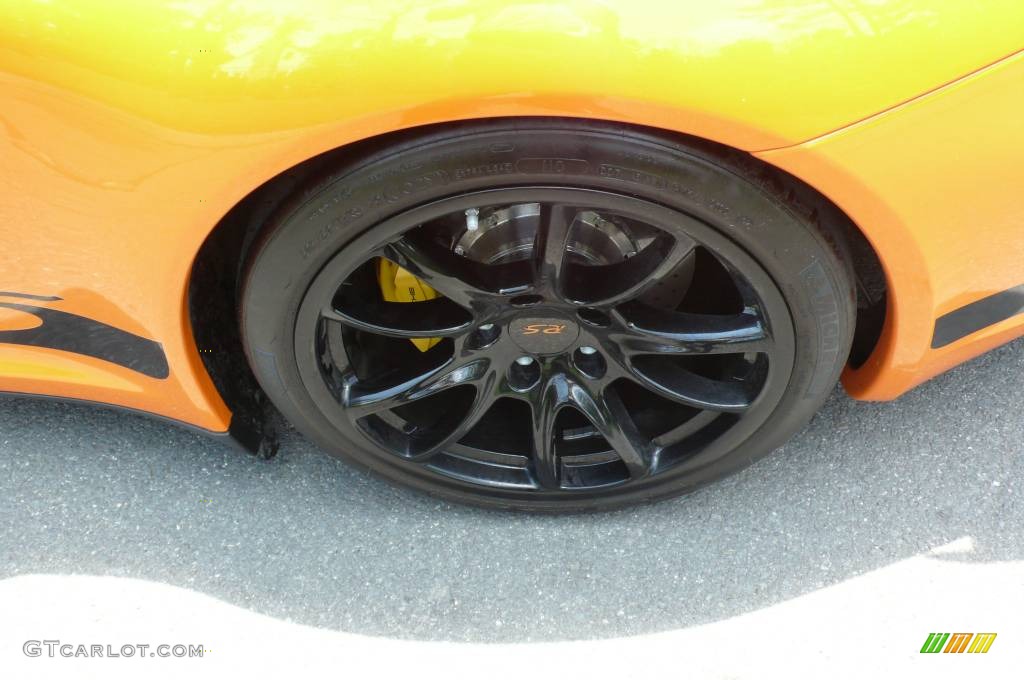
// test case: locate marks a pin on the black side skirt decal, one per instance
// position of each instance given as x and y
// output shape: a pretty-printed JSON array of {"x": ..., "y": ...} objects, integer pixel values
[
  {"x": 73, "y": 333},
  {"x": 979, "y": 314}
]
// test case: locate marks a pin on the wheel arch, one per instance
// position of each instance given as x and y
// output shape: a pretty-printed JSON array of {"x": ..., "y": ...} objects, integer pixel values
[{"x": 214, "y": 277}]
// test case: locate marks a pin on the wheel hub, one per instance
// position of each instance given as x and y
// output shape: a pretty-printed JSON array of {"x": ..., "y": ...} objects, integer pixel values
[{"x": 543, "y": 335}]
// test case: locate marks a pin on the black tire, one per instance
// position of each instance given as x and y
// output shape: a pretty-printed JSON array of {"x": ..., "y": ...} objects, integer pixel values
[{"x": 798, "y": 267}]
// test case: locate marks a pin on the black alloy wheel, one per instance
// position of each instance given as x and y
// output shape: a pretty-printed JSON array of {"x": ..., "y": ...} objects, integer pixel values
[{"x": 591, "y": 344}]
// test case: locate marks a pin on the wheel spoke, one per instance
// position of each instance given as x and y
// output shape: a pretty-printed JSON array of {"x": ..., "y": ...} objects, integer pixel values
[
  {"x": 686, "y": 387},
  {"x": 612, "y": 284},
  {"x": 544, "y": 409},
  {"x": 427, "y": 319},
  {"x": 460, "y": 279},
  {"x": 551, "y": 246},
  {"x": 692, "y": 426},
  {"x": 655, "y": 331},
  {"x": 611, "y": 418},
  {"x": 365, "y": 400},
  {"x": 486, "y": 395}
]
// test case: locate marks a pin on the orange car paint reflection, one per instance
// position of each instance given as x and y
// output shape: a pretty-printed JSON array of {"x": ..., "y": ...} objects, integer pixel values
[{"x": 127, "y": 130}]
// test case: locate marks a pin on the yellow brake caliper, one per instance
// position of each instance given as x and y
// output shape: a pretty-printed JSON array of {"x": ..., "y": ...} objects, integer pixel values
[{"x": 399, "y": 285}]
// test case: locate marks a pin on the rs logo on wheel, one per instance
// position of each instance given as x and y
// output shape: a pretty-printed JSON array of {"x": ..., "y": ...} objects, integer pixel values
[{"x": 546, "y": 328}]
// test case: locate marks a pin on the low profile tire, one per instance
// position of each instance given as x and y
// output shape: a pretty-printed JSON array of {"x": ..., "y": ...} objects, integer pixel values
[{"x": 622, "y": 315}]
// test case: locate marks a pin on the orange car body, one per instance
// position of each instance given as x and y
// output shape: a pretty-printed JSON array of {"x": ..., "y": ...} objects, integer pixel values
[{"x": 128, "y": 130}]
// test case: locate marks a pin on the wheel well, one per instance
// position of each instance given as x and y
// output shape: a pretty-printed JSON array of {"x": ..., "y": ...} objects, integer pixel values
[
  {"x": 869, "y": 277},
  {"x": 215, "y": 277}
]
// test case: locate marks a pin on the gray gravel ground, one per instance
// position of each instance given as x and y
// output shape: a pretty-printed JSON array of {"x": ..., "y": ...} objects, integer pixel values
[{"x": 308, "y": 539}]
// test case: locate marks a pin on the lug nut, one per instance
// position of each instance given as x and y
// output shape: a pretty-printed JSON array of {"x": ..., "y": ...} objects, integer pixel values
[
  {"x": 588, "y": 350},
  {"x": 524, "y": 361}
]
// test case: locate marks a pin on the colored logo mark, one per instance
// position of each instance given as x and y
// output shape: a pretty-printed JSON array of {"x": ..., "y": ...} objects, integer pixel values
[
  {"x": 548, "y": 328},
  {"x": 957, "y": 643}
]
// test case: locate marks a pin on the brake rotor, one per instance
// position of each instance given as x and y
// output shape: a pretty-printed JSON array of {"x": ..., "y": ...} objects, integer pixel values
[{"x": 508, "y": 234}]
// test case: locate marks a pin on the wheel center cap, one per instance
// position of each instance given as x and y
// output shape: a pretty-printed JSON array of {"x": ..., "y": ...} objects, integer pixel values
[{"x": 543, "y": 334}]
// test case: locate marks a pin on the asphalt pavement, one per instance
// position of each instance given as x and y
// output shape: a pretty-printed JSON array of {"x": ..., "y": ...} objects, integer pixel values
[{"x": 868, "y": 498}]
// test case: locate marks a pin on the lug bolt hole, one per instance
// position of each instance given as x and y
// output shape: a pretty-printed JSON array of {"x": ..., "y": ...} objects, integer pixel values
[
  {"x": 484, "y": 336},
  {"x": 523, "y": 374},
  {"x": 589, "y": 362},
  {"x": 594, "y": 317}
]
